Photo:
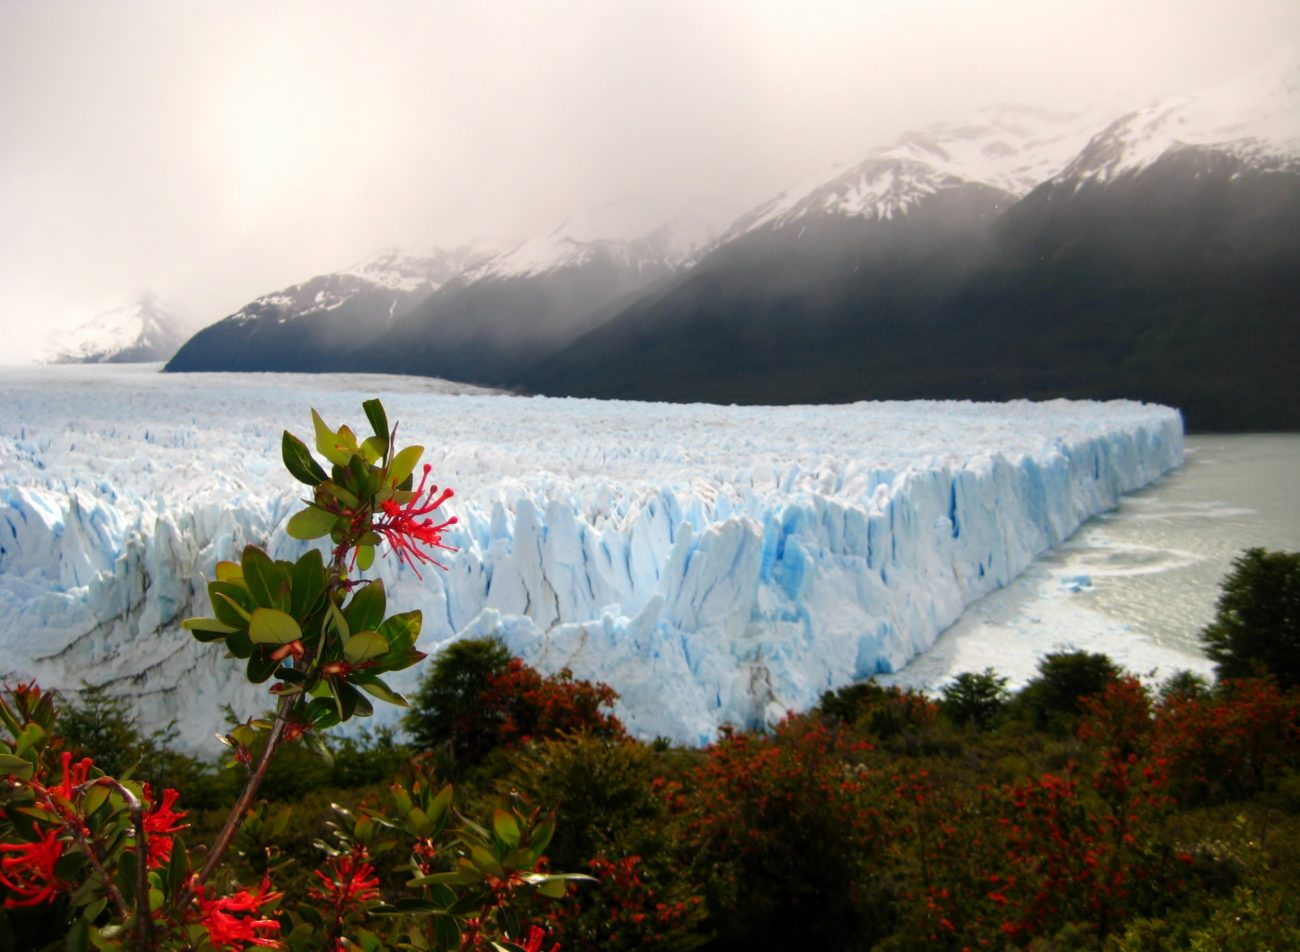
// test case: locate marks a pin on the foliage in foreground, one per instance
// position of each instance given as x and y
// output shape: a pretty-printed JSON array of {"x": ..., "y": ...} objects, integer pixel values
[{"x": 99, "y": 855}]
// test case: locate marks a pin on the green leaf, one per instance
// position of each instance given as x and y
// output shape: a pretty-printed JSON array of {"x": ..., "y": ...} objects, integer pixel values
[
  {"x": 440, "y": 806},
  {"x": 365, "y": 557},
  {"x": 373, "y": 449},
  {"x": 364, "y": 646},
  {"x": 95, "y": 798},
  {"x": 328, "y": 443},
  {"x": 311, "y": 523},
  {"x": 298, "y": 460},
  {"x": 539, "y": 837},
  {"x": 207, "y": 629},
  {"x": 553, "y": 888},
  {"x": 269, "y": 626},
  {"x": 260, "y": 668},
  {"x": 362, "y": 475},
  {"x": 337, "y": 623},
  {"x": 308, "y": 583},
  {"x": 506, "y": 828},
  {"x": 239, "y": 644},
  {"x": 485, "y": 861},
  {"x": 18, "y": 766},
  {"x": 366, "y": 609},
  {"x": 402, "y": 630},
  {"x": 32, "y": 738},
  {"x": 403, "y": 464},
  {"x": 266, "y": 581},
  {"x": 231, "y": 603},
  {"x": 458, "y": 877},
  {"x": 377, "y": 688},
  {"x": 79, "y": 936},
  {"x": 377, "y": 417},
  {"x": 229, "y": 572},
  {"x": 347, "y": 498}
]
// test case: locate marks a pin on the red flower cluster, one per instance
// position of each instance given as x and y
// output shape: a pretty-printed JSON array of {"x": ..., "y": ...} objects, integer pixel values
[
  {"x": 160, "y": 823},
  {"x": 232, "y": 921},
  {"x": 349, "y": 882},
  {"x": 407, "y": 528},
  {"x": 29, "y": 872}
]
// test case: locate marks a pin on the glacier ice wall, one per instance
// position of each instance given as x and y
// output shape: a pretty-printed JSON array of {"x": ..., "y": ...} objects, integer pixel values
[{"x": 714, "y": 564}]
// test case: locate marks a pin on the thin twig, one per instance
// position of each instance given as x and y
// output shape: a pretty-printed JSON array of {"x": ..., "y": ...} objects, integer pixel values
[{"x": 236, "y": 817}]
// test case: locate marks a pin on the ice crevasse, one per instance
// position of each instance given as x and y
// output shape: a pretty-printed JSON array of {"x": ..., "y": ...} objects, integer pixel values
[{"x": 714, "y": 564}]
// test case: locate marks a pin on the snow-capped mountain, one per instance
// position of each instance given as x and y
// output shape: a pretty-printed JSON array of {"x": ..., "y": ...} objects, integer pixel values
[
  {"x": 1254, "y": 119},
  {"x": 1022, "y": 254},
  {"x": 422, "y": 273},
  {"x": 315, "y": 324},
  {"x": 398, "y": 276},
  {"x": 492, "y": 321},
  {"x": 468, "y": 313},
  {"x": 142, "y": 331},
  {"x": 1009, "y": 149},
  {"x": 648, "y": 233}
]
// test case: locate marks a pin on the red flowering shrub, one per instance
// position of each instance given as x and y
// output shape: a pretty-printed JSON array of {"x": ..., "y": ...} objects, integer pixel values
[
  {"x": 785, "y": 833},
  {"x": 526, "y": 705},
  {"x": 1231, "y": 743}
]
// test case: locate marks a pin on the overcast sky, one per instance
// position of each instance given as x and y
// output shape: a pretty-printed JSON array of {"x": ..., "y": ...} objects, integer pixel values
[{"x": 214, "y": 151}]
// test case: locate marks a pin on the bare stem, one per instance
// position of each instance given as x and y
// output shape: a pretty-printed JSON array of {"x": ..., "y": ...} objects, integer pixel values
[
  {"x": 73, "y": 826},
  {"x": 143, "y": 920},
  {"x": 222, "y": 843}
]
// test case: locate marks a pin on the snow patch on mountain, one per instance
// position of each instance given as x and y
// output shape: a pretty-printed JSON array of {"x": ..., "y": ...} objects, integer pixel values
[
  {"x": 1255, "y": 118},
  {"x": 715, "y": 564},
  {"x": 1008, "y": 148},
  {"x": 642, "y": 234},
  {"x": 141, "y": 332},
  {"x": 401, "y": 270}
]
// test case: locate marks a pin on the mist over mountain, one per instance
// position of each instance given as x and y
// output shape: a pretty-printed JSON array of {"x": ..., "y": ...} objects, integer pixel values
[
  {"x": 1020, "y": 253},
  {"x": 140, "y": 332},
  {"x": 1161, "y": 261}
]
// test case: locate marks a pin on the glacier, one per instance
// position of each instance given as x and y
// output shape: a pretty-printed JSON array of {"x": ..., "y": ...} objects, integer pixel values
[{"x": 716, "y": 565}]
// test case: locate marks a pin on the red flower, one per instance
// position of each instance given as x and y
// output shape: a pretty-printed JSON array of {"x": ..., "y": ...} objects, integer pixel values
[
  {"x": 348, "y": 883},
  {"x": 231, "y": 922},
  {"x": 29, "y": 873},
  {"x": 159, "y": 823},
  {"x": 406, "y": 531},
  {"x": 535, "y": 937},
  {"x": 74, "y": 775}
]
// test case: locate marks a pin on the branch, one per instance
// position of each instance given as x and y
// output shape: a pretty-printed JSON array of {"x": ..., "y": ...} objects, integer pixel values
[{"x": 222, "y": 843}]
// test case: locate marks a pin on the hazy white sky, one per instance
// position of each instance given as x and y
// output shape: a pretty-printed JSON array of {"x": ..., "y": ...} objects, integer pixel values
[{"x": 215, "y": 151}]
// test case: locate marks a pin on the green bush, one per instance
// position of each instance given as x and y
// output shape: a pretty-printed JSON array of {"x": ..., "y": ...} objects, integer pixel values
[
  {"x": 447, "y": 711},
  {"x": 1256, "y": 628},
  {"x": 1054, "y": 698},
  {"x": 977, "y": 699}
]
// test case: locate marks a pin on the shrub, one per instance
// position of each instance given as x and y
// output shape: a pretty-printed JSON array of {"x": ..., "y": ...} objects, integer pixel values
[
  {"x": 786, "y": 834},
  {"x": 1055, "y": 697},
  {"x": 447, "y": 710},
  {"x": 1256, "y": 627},
  {"x": 976, "y": 699}
]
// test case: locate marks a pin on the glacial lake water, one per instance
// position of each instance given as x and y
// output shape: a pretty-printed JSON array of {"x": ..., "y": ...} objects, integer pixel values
[{"x": 1138, "y": 582}]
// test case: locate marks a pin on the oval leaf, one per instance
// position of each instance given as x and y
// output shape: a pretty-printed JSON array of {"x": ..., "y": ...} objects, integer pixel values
[
  {"x": 269, "y": 626},
  {"x": 363, "y": 646},
  {"x": 299, "y": 462},
  {"x": 403, "y": 464},
  {"x": 311, "y": 523}
]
